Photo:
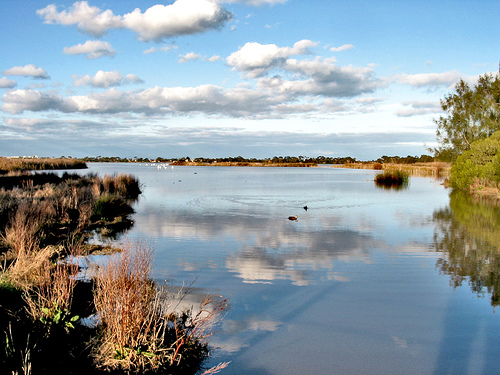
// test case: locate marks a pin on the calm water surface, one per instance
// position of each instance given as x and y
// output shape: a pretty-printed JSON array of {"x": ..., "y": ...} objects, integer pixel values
[{"x": 366, "y": 281}]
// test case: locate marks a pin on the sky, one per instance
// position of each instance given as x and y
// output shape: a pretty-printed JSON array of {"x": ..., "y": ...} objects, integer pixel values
[{"x": 220, "y": 78}]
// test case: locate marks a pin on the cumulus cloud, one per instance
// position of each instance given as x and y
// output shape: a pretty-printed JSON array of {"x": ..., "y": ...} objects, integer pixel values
[
  {"x": 317, "y": 77},
  {"x": 164, "y": 49},
  {"x": 257, "y": 59},
  {"x": 322, "y": 77},
  {"x": 18, "y": 101},
  {"x": 191, "y": 56},
  {"x": 6, "y": 83},
  {"x": 430, "y": 79},
  {"x": 183, "y": 17},
  {"x": 305, "y": 87},
  {"x": 214, "y": 58},
  {"x": 207, "y": 99},
  {"x": 344, "y": 47},
  {"x": 92, "y": 48},
  {"x": 88, "y": 19},
  {"x": 418, "y": 108},
  {"x": 105, "y": 79},
  {"x": 29, "y": 70}
]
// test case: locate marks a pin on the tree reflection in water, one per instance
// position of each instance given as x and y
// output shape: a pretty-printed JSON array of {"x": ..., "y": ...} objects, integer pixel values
[{"x": 468, "y": 235}]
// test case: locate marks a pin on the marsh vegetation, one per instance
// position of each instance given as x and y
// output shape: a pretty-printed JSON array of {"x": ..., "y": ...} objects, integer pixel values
[
  {"x": 46, "y": 306},
  {"x": 28, "y": 164},
  {"x": 392, "y": 179}
]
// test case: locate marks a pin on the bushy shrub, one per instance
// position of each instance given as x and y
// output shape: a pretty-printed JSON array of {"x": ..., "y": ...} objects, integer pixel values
[{"x": 480, "y": 164}]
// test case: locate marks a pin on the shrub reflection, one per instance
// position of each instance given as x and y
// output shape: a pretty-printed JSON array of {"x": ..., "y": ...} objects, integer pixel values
[{"x": 468, "y": 235}]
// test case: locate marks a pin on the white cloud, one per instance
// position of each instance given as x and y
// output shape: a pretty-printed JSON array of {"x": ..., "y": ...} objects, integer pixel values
[
  {"x": 164, "y": 49},
  {"x": 321, "y": 77},
  {"x": 92, "y": 48},
  {"x": 430, "y": 79},
  {"x": 344, "y": 47},
  {"x": 132, "y": 78},
  {"x": 369, "y": 100},
  {"x": 183, "y": 17},
  {"x": 6, "y": 83},
  {"x": 207, "y": 99},
  {"x": 29, "y": 70},
  {"x": 418, "y": 108},
  {"x": 257, "y": 59},
  {"x": 214, "y": 58},
  {"x": 188, "y": 57},
  {"x": 18, "y": 101},
  {"x": 105, "y": 79},
  {"x": 88, "y": 19},
  {"x": 191, "y": 56}
]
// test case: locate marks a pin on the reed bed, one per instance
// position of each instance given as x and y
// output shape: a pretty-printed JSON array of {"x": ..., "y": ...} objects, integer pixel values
[
  {"x": 433, "y": 169},
  {"x": 28, "y": 164}
]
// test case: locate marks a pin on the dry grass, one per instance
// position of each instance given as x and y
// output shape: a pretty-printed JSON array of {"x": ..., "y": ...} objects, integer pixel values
[
  {"x": 433, "y": 169},
  {"x": 141, "y": 331},
  {"x": 26, "y": 164},
  {"x": 126, "y": 186},
  {"x": 50, "y": 300}
]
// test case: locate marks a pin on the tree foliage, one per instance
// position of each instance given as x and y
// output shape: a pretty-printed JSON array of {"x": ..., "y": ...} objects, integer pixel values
[
  {"x": 472, "y": 113},
  {"x": 480, "y": 163}
]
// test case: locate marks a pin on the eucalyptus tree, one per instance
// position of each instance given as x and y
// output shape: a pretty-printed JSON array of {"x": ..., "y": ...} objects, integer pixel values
[{"x": 472, "y": 113}]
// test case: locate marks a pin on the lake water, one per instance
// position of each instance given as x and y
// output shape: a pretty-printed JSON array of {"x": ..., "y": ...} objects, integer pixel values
[{"x": 366, "y": 281}]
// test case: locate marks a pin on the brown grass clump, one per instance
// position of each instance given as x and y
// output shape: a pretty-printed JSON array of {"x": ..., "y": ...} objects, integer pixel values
[
  {"x": 25, "y": 230},
  {"x": 140, "y": 330},
  {"x": 49, "y": 301},
  {"x": 124, "y": 185}
]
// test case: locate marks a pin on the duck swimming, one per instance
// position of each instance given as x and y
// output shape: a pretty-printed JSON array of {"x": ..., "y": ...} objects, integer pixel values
[{"x": 293, "y": 217}]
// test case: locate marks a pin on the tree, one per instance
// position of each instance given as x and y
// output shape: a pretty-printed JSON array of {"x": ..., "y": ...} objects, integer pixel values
[{"x": 472, "y": 114}]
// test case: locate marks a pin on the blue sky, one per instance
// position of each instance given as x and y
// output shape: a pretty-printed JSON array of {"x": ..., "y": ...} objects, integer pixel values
[{"x": 256, "y": 78}]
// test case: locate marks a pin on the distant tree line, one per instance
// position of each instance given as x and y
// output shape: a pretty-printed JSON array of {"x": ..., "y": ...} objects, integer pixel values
[
  {"x": 274, "y": 160},
  {"x": 115, "y": 159}
]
